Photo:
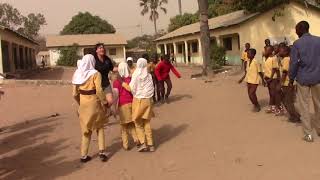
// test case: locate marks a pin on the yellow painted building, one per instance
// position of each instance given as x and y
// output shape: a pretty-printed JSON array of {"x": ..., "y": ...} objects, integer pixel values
[
  {"x": 233, "y": 30},
  {"x": 17, "y": 52}
]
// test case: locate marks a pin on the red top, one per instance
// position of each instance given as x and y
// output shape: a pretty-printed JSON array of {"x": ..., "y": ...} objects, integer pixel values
[
  {"x": 125, "y": 97},
  {"x": 163, "y": 69}
]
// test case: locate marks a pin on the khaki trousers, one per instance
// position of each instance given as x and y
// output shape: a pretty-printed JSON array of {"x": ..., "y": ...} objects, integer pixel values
[
  {"x": 303, "y": 96},
  {"x": 127, "y": 129},
  {"x": 144, "y": 131},
  {"x": 86, "y": 138}
]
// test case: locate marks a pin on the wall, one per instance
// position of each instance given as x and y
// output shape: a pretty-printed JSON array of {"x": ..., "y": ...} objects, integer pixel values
[{"x": 258, "y": 29}]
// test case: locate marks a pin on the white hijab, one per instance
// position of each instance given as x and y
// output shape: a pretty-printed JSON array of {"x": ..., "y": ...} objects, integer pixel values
[
  {"x": 85, "y": 70},
  {"x": 123, "y": 70},
  {"x": 129, "y": 59},
  {"x": 141, "y": 83}
]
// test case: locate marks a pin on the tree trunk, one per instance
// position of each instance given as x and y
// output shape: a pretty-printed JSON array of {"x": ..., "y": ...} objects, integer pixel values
[
  {"x": 204, "y": 35},
  {"x": 155, "y": 26},
  {"x": 180, "y": 7}
]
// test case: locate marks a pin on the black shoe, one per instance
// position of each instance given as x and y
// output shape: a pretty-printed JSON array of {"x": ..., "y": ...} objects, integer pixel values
[
  {"x": 85, "y": 159},
  {"x": 103, "y": 157}
]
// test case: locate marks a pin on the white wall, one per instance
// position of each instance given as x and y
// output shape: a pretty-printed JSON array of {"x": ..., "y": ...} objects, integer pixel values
[{"x": 54, "y": 56}]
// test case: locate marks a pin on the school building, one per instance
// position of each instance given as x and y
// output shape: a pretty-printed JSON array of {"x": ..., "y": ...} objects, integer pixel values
[
  {"x": 17, "y": 52},
  {"x": 114, "y": 43},
  {"x": 233, "y": 30}
]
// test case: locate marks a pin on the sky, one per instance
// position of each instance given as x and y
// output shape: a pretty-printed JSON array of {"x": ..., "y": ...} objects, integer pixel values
[{"x": 123, "y": 14}]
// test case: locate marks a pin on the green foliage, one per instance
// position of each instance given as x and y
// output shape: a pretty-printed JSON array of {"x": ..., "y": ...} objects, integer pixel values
[
  {"x": 86, "y": 23},
  {"x": 29, "y": 25},
  {"x": 143, "y": 42},
  {"x": 182, "y": 20},
  {"x": 69, "y": 56},
  {"x": 217, "y": 56}
]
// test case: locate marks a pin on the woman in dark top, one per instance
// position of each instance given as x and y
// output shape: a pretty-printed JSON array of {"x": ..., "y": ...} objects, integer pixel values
[{"x": 104, "y": 66}]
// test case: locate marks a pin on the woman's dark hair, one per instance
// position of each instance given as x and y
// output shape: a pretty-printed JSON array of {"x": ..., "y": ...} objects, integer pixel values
[{"x": 94, "y": 53}]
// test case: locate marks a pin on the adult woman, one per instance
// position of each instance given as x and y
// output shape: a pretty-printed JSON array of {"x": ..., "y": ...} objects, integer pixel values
[
  {"x": 89, "y": 94},
  {"x": 104, "y": 65}
]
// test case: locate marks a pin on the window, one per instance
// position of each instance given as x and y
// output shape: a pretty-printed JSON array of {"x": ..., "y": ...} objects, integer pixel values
[
  {"x": 88, "y": 51},
  {"x": 227, "y": 43},
  {"x": 194, "y": 47},
  {"x": 112, "y": 51},
  {"x": 180, "y": 47}
]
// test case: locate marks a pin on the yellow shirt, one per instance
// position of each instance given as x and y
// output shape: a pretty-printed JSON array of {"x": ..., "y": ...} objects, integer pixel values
[
  {"x": 285, "y": 67},
  {"x": 268, "y": 65},
  {"x": 253, "y": 70},
  {"x": 244, "y": 56}
]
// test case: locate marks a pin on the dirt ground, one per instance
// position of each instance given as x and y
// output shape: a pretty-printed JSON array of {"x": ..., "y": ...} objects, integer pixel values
[{"x": 207, "y": 132}]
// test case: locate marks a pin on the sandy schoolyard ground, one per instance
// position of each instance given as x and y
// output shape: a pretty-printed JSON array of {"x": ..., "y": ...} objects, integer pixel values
[{"x": 207, "y": 132}]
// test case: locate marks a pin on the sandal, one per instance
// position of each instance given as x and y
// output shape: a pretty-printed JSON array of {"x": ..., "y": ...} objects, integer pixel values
[{"x": 85, "y": 159}]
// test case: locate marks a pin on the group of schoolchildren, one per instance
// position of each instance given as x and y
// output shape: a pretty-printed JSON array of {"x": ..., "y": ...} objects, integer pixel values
[
  {"x": 273, "y": 73},
  {"x": 135, "y": 89}
]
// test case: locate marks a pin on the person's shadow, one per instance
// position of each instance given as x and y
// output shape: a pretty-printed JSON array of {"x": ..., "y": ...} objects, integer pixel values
[{"x": 167, "y": 132}]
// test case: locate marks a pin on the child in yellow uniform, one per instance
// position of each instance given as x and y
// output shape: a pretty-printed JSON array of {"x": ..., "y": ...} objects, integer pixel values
[
  {"x": 88, "y": 93},
  {"x": 253, "y": 77},
  {"x": 272, "y": 77},
  {"x": 244, "y": 56},
  {"x": 288, "y": 92},
  {"x": 142, "y": 88}
]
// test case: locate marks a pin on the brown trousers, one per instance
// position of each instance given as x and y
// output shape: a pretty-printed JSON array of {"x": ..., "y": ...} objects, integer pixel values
[
  {"x": 274, "y": 92},
  {"x": 288, "y": 99},
  {"x": 252, "y": 93},
  {"x": 304, "y": 96},
  {"x": 156, "y": 96},
  {"x": 162, "y": 89}
]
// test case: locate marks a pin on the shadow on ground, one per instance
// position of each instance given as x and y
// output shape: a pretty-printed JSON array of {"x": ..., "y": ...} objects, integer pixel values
[
  {"x": 167, "y": 132},
  {"x": 26, "y": 154}
]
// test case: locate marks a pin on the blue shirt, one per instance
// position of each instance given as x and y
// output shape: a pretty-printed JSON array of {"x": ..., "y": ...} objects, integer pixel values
[{"x": 305, "y": 60}]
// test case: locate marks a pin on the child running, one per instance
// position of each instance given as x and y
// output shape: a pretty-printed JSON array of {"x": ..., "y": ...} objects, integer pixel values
[
  {"x": 142, "y": 88},
  {"x": 162, "y": 73},
  {"x": 88, "y": 93},
  {"x": 272, "y": 77},
  {"x": 287, "y": 92},
  {"x": 125, "y": 106},
  {"x": 253, "y": 76}
]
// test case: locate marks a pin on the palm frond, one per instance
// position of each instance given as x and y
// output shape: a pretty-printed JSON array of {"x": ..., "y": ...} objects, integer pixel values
[{"x": 164, "y": 10}]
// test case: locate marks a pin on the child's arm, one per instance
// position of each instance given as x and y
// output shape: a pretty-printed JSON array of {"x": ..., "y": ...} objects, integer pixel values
[
  {"x": 262, "y": 78},
  {"x": 175, "y": 72},
  {"x": 126, "y": 86},
  {"x": 76, "y": 94},
  {"x": 242, "y": 78}
]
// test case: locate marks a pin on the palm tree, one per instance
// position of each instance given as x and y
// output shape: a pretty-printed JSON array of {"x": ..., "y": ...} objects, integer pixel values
[
  {"x": 180, "y": 7},
  {"x": 204, "y": 34},
  {"x": 153, "y": 6}
]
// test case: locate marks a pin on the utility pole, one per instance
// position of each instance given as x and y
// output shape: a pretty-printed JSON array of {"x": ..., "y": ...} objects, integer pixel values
[{"x": 180, "y": 7}]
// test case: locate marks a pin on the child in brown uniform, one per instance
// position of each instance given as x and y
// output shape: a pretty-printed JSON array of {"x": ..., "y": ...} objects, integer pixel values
[
  {"x": 287, "y": 92},
  {"x": 253, "y": 76},
  {"x": 88, "y": 92}
]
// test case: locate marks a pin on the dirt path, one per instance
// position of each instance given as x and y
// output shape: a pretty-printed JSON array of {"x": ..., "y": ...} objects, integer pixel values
[{"x": 207, "y": 132}]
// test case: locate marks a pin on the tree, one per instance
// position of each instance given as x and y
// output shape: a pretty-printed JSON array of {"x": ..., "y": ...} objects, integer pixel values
[
  {"x": 143, "y": 42},
  {"x": 182, "y": 20},
  {"x": 204, "y": 34},
  {"x": 29, "y": 25},
  {"x": 86, "y": 23},
  {"x": 69, "y": 55},
  {"x": 153, "y": 6}
]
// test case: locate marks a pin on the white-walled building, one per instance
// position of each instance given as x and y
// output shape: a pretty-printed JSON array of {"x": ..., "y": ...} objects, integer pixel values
[{"x": 114, "y": 43}]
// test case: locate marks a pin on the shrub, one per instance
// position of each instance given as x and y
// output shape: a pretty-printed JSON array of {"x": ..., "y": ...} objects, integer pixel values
[
  {"x": 217, "y": 57},
  {"x": 69, "y": 56}
]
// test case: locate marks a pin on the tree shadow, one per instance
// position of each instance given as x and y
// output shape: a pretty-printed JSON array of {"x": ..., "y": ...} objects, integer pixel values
[
  {"x": 27, "y": 153},
  {"x": 167, "y": 132},
  {"x": 176, "y": 98}
]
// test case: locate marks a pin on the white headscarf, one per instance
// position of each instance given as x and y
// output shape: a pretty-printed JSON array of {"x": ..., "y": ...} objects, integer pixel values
[
  {"x": 129, "y": 59},
  {"x": 141, "y": 83},
  {"x": 85, "y": 70},
  {"x": 123, "y": 70}
]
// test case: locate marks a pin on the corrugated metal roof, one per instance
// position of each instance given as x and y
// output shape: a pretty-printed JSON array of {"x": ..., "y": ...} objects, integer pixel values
[
  {"x": 19, "y": 34},
  {"x": 85, "y": 40}
]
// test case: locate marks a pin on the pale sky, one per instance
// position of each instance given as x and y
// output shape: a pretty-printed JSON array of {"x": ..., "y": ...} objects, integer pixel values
[{"x": 123, "y": 14}]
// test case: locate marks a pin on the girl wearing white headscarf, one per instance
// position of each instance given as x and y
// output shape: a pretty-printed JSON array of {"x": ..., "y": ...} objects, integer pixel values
[
  {"x": 89, "y": 94},
  {"x": 125, "y": 106},
  {"x": 142, "y": 88}
]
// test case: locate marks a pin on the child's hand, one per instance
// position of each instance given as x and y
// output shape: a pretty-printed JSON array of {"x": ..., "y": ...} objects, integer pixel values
[{"x": 264, "y": 83}]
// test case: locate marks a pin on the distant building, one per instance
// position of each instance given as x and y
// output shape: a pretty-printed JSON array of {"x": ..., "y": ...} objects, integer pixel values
[
  {"x": 114, "y": 43},
  {"x": 135, "y": 53},
  {"x": 17, "y": 52},
  {"x": 233, "y": 30}
]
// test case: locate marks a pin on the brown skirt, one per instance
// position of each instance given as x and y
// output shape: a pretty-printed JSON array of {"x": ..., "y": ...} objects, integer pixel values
[
  {"x": 125, "y": 113},
  {"x": 142, "y": 109}
]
